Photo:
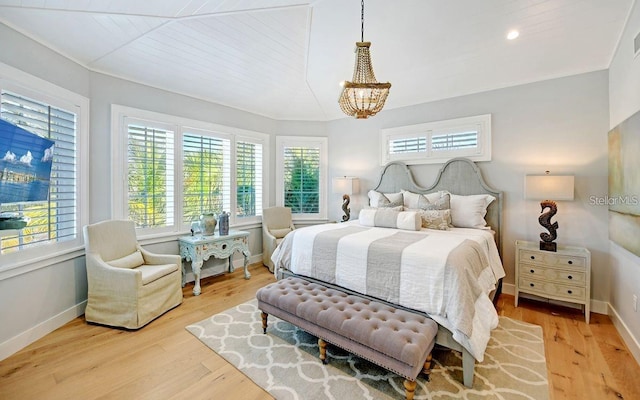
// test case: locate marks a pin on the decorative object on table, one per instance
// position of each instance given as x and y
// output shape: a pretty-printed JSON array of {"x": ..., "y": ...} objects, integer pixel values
[
  {"x": 557, "y": 187},
  {"x": 208, "y": 223},
  {"x": 347, "y": 185},
  {"x": 624, "y": 184},
  {"x": 223, "y": 222},
  {"x": 195, "y": 228},
  {"x": 364, "y": 96}
]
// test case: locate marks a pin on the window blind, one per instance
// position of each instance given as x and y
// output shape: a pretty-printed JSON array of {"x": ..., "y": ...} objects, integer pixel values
[
  {"x": 150, "y": 177},
  {"x": 302, "y": 179},
  {"x": 207, "y": 177},
  {"x": 408, "y": 145},
  {"x": 454, "y": 141},
  {"x": 248, "y": 179},
  {"x": 53, "y": 220}
]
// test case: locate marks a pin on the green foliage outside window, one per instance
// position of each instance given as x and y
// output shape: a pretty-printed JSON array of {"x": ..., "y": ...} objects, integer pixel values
[{"x": 302, "y": 180}]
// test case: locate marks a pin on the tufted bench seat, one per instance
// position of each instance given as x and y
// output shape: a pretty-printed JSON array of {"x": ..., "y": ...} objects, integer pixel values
[{"x": 394, "y": 339}]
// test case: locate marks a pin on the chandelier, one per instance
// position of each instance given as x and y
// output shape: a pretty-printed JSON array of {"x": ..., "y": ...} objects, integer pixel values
[{"x": 364, "y": 96}]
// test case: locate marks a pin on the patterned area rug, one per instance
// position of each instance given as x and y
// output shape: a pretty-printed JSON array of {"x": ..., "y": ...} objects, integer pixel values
[{"x": 285, "y": 362}]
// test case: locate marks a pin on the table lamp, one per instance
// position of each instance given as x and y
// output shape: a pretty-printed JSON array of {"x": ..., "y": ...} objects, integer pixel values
[
  {"x": 544, "y": 187},
  {"x": 347, "y": 185}
]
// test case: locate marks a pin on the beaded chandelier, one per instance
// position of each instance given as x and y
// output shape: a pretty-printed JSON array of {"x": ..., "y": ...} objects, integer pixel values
[{"x": 364, "y": 96}]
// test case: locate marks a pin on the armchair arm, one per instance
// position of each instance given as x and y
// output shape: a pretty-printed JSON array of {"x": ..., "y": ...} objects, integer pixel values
[
  {"x": 106, "y": 279},
  {"x": 154, "y": 258}
]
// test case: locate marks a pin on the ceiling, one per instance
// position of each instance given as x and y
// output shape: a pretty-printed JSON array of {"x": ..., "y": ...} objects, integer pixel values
[{"x": 284, "y": 59}]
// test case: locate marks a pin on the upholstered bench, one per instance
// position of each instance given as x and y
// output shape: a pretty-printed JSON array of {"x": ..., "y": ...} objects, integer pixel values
[{"x": 392, "y": 338}]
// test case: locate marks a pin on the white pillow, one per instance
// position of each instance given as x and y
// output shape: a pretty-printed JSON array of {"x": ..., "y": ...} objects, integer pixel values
[
  {"x": 133, "y": 260},
  {"x": 469, "y": 211},
  {"x": 386, "y": 218}
]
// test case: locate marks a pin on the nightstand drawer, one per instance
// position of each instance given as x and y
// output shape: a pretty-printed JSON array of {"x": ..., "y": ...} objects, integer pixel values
[
  {"x": 552, "y": 289},
  {"x": 558, "y": 275},
  {"x": 549, "y": 258}
]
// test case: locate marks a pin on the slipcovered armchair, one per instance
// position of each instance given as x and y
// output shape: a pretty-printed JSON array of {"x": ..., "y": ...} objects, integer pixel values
[
  {"x": 276, "y": 223},
  {"x": 128, "y": 286}
]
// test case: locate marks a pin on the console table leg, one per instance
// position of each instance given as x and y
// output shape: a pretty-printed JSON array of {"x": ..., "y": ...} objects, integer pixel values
[
  {"x": 196, "y": 266},
  {"x": 247, "y": 275}
]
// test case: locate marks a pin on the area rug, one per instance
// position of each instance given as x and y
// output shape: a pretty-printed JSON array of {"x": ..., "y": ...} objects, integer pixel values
[{"x": 285, "y": 362}]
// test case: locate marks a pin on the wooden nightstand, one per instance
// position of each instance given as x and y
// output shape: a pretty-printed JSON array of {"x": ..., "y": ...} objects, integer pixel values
[{"x": 563, "y": 275}]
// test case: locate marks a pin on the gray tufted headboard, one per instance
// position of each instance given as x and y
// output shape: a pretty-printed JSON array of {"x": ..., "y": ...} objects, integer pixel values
[{"x": 458, "y": 176}]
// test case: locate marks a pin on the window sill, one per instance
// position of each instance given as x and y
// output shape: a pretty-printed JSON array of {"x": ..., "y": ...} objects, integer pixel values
[{"x": 36, "y": 263}]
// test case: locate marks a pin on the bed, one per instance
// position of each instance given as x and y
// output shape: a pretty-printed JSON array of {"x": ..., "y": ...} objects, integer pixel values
[{"x": 450, "y": 274}]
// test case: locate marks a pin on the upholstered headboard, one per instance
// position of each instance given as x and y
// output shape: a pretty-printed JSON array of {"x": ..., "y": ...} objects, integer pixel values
[{"x": 458, "y": 176}]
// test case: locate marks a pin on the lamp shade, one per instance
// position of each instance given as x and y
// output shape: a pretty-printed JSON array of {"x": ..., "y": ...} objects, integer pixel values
[
  {"x": 345, "y": 185},
  {"x": 548, "y": 187}
]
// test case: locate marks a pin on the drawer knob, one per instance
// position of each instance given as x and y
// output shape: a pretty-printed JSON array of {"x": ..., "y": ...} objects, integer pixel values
[
  {"x": 531, "y": 284},
  {"x": 533, "y": 257},
  {"x": 569, "y": 291},
  {"x": 532, "y": 271},
  {"x": 570, "y": 277},
  {"x": 224, "y": 246},
  {"x": 570, "y": 262}
]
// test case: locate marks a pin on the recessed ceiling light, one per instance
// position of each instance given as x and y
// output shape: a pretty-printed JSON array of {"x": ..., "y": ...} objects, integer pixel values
[{"x": 513, "y": 34}]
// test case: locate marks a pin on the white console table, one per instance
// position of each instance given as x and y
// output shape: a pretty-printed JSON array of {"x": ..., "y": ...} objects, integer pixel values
[{"x": 198, "y": 249}]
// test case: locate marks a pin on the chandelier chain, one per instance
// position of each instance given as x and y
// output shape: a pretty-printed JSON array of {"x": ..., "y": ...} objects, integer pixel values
[{"x": 362, "y": 21}]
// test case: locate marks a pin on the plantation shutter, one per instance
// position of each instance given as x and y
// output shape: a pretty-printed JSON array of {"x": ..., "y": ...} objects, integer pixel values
[
  {"x": 467, "y": 139},
  {"x": 53, "y": 220},
  {"x": 150, "y": 176},
  {"x": 248, "y": 179},
  {"x": 408, "y": 145},
  {"x": 207, "y": 175},
  {"x": 302, "y": 179}
]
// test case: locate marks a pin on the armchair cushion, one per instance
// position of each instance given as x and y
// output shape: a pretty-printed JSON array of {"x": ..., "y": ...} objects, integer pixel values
[
  {"x": 151, "y": 273},
  {"x": 133, "y": 260},
  {"x": 280, "y": 233}
]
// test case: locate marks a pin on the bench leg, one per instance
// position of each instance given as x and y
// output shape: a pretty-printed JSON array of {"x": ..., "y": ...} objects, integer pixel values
[
  {"x": 410, "y": 388},
  {"x": 323, "y": 351},
  {"x": 264, "y": 321},
  {"x": 427, "y": 367}
]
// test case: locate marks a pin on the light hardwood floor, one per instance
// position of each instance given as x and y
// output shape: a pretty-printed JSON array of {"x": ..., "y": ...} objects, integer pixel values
[{"x": 163, "y": 360}]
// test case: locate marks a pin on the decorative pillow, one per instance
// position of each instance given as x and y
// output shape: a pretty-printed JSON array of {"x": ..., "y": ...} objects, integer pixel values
[
  {"x": 377, "y": 199},
  {"x": 133, "y": 260},
  {"x": 435, "y": 219},
  {"x": 469, "y": 211},
  {"x": 432, "y": 201},
  {"x": 280, "y": 233},
  {"x": 386, "y": 218}
]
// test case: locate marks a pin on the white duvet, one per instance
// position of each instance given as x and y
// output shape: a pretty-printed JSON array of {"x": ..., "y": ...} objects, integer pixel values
[{"x": 421, "y": 282}]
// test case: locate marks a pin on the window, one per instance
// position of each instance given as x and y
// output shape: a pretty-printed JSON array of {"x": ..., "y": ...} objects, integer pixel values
[
  {"x": 248, "y": 178},
  {"x": 52, "y": 113},
  {"x": 178, "y": 169},
  {"x": 436, "y": 142},
  {"x": 301, "y": 175},
  {"x": 206, "y": 183}
]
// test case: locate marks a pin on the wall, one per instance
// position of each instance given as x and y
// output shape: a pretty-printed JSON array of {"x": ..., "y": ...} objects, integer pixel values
[
  {"x": 556, "y": 125},
  {"x": 624, "y": 101},
  {"x": 46, "y": 298}
]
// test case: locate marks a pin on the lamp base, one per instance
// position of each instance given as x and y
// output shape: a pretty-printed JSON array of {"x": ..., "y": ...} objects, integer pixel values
[{"x": 549, "y": 246}]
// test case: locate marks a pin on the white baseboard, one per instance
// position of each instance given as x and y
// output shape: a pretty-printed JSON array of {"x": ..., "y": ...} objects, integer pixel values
[
  {"x": 630, "y": 340},
  {"x": 29, "y": 336}
]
